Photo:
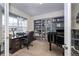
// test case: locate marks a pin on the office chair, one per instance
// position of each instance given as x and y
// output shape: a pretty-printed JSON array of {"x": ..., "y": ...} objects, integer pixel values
[{"x": 29, "y": 39}]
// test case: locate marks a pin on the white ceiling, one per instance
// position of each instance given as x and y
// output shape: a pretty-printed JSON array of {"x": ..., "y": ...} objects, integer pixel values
[{"x": 37, "y": 8}]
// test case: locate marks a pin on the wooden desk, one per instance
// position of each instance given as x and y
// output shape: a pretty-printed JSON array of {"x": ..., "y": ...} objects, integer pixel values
[{"x": 16, "y": 44}]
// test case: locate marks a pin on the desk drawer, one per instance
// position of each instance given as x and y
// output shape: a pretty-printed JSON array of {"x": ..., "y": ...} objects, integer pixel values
[{"x": 15, "y": 45}]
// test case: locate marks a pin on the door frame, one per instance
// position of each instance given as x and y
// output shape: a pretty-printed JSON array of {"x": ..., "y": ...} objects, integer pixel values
[
  {"x": 6, "y": 16},
  {"x": 67, "y": 28}
]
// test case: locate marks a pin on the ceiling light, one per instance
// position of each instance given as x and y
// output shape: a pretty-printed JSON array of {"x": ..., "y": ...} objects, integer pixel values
[{"x": 41, "y": 3}]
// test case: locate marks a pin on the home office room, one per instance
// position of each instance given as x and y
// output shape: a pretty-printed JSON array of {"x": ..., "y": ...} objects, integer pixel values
[{"x": 36, "y": 29}]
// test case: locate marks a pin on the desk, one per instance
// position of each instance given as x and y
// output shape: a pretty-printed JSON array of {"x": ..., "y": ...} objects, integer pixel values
[{"x": 16, "y": 44}]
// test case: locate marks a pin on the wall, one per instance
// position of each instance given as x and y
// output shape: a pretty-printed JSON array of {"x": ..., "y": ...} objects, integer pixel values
[
  {"x": 47, "y": 15},
  {"x": 75, "y": 10},
  {"x": 30, "y": 24}
]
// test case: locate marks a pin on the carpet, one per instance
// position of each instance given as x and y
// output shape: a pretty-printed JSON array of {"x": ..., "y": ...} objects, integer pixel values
[{"x": 39, "y": 48}]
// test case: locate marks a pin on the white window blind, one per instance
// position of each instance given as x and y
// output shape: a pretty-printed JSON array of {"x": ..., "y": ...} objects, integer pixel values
[{"x": 17, "y": 23}]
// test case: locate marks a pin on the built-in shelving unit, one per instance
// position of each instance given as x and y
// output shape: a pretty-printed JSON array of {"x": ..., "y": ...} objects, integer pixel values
[
  {"x": 75, "y": 42},
  {"x": 42, "y": 26},
  {"x": 59, "y": 22},
  {"x": 39, "y": 28}
]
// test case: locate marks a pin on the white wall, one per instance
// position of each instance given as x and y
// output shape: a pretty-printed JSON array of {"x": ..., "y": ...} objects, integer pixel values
[
  {"x": 30, "y": 24},
  {"x": 47, "y": 15},
  {"x": 75, "y": 10}
]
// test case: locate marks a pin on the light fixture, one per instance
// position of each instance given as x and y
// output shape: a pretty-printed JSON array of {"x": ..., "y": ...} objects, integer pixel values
[{"x": 41, "y": 3}]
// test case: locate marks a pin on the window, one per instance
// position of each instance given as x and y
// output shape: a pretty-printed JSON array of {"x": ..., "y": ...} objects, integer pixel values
[
  {"x": 22, "y": 25},
  {"x": 17, "y": 24},
  {"x": 12, "y": 21}
]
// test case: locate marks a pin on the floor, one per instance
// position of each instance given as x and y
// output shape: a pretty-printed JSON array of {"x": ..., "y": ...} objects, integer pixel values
[
  {"x": 40, "y": 48},
  {"x": 2, "y": 54}
]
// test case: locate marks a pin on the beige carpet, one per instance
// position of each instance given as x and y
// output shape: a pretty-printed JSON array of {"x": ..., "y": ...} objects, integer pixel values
[{"x": 39, "y": 48}]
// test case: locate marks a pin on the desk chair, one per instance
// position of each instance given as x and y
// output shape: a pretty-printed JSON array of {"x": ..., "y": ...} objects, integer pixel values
[{"x": 27, "y": 41}]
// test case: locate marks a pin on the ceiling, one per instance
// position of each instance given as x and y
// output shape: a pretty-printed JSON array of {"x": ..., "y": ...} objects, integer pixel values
[{"x": 37, "y": 8}]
